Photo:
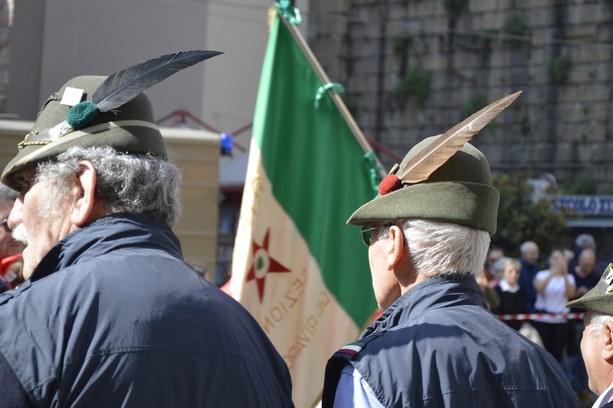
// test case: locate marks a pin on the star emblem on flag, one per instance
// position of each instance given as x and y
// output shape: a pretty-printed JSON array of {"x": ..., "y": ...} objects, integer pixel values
[{"x": 263, "y": 264}]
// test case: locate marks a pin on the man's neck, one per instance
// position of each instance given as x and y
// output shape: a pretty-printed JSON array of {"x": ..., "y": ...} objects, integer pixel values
[{"x": 405, "y": 288}]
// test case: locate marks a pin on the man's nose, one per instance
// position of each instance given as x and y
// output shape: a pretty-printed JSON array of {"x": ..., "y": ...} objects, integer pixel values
[{"x": 15, "y": 216}]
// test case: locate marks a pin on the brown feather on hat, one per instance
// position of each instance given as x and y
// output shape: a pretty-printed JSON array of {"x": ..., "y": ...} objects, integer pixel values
[{"x": 442, "y": 178}]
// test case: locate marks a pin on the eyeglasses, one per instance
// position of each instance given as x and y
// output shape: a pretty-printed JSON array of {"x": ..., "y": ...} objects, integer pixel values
[
  {"x": 5, "y": 224},
  {"x": 367, "y": 233}
]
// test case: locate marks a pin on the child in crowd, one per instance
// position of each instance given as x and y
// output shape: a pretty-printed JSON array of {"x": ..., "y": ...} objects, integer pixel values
[{"x": 512, "y": 299}]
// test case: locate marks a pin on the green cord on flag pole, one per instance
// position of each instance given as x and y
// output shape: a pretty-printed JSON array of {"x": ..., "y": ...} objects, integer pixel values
[
  {"x": 375, "y": 169},
  {"x": 289, "y": 12},
  {"x": 336, "y": 87}
]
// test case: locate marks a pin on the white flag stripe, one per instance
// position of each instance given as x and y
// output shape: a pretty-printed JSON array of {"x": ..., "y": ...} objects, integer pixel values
[{"x": 302, "y": 318}]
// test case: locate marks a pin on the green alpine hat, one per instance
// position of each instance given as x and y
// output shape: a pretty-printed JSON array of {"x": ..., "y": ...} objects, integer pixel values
[
  {"x": 600, "y": 297},
  {"x": 460, "y": 192},
  {"x": 130, "y": 128}
]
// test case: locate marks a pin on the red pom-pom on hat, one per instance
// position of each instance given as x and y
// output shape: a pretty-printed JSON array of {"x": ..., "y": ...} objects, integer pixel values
[{"x": 389, "y": 184}]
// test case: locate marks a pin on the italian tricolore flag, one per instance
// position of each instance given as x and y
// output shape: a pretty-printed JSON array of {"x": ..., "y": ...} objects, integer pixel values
[{"x": 297, "y": 267}]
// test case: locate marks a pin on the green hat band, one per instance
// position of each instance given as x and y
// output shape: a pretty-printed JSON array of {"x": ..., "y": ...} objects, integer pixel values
[{"x": 464, "y": 203}]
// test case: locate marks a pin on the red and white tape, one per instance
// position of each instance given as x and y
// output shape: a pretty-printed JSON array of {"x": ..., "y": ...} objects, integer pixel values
[{"x": 536, "y": 316}]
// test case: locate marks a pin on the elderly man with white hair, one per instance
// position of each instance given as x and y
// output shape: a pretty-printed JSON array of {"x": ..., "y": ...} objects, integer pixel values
[
  {"x": 597, "y": 340},
  {"x": 436, "y": 343}
]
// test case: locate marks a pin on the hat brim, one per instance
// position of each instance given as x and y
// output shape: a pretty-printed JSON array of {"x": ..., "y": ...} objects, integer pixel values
[
  {"x": 464, "y": 203},
  {"x": 599, "y": 303},
  {"x": 596, "y": 299},
  {"x": 130, "y": 136}
]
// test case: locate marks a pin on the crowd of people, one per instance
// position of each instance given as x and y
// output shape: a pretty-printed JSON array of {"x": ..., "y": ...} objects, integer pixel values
[{"x": 531, "y": 297}]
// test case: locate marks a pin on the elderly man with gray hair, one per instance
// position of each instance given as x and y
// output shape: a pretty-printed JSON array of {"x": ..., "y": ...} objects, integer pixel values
[
  {"x": 436, "y": 344},
  {"x": 597, "y": 339},
  {"x": 528, "y": 259},
  {"x": 111, "y": 315}
]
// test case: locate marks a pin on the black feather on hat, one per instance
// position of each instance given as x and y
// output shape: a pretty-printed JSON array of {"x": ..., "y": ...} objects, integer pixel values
[{"x": 101, "y": 111}]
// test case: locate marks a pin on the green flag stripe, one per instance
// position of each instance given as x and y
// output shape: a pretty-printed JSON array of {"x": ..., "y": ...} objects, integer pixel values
[{"x": 316, "y": 168}]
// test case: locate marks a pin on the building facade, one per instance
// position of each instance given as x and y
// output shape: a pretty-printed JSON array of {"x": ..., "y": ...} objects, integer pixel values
[{"x": 415, "y": 68}]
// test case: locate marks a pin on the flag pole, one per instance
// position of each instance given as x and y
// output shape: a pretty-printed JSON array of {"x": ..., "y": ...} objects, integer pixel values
[{"x": 323, "y": 77}]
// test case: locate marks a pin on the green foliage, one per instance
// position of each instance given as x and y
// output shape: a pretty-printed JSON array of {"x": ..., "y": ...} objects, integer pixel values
[
  {"x": 415, "y": 84},
  {"x": 401, "y": 94},
  {"x": 514, "y": 26},
  {"x": 559, "y": 68},
  {"x": 402, "y": 45},
  {"x": 455, "y": 8},
  {"x": 349, "y": 61},
  {"x": 582, "y": 184},
  {"x": 521, "y": 219},
  {"x": 476, "y": 101}
]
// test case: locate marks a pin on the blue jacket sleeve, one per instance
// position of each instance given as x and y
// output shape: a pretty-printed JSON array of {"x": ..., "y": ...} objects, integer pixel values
[{"x": 13, "y": 393}]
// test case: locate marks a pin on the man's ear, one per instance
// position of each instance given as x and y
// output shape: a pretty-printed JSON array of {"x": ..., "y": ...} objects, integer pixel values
[
  {"x": 395, "y": 246},
  {"x": 85, "y": 197},
  {"x": 607, "y": 333}
]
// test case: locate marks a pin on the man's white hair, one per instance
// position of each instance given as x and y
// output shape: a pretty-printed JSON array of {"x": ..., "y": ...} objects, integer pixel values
[
  {"x": 527, "y": 246},
  {"x": 130, "y": 183},
  {"x": 597, "y": 322},
  {"x": 439, "y": 248}
]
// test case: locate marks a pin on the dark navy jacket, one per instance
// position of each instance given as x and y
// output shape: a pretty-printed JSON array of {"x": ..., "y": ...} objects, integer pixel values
[
  {"x": 112, "y": 317},
  {"x": 438, "y": 346},
  {"x": 526, "y": 278}
]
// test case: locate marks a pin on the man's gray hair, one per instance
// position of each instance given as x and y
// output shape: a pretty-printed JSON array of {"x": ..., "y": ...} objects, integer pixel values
[
  {"x": 438, "y": 248},
  {"x": 585, "y": 241},
  {"x": 127, "y": 183},
  {"x": 527, "y": 246},
  {"x": 597, "y": 322}
]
